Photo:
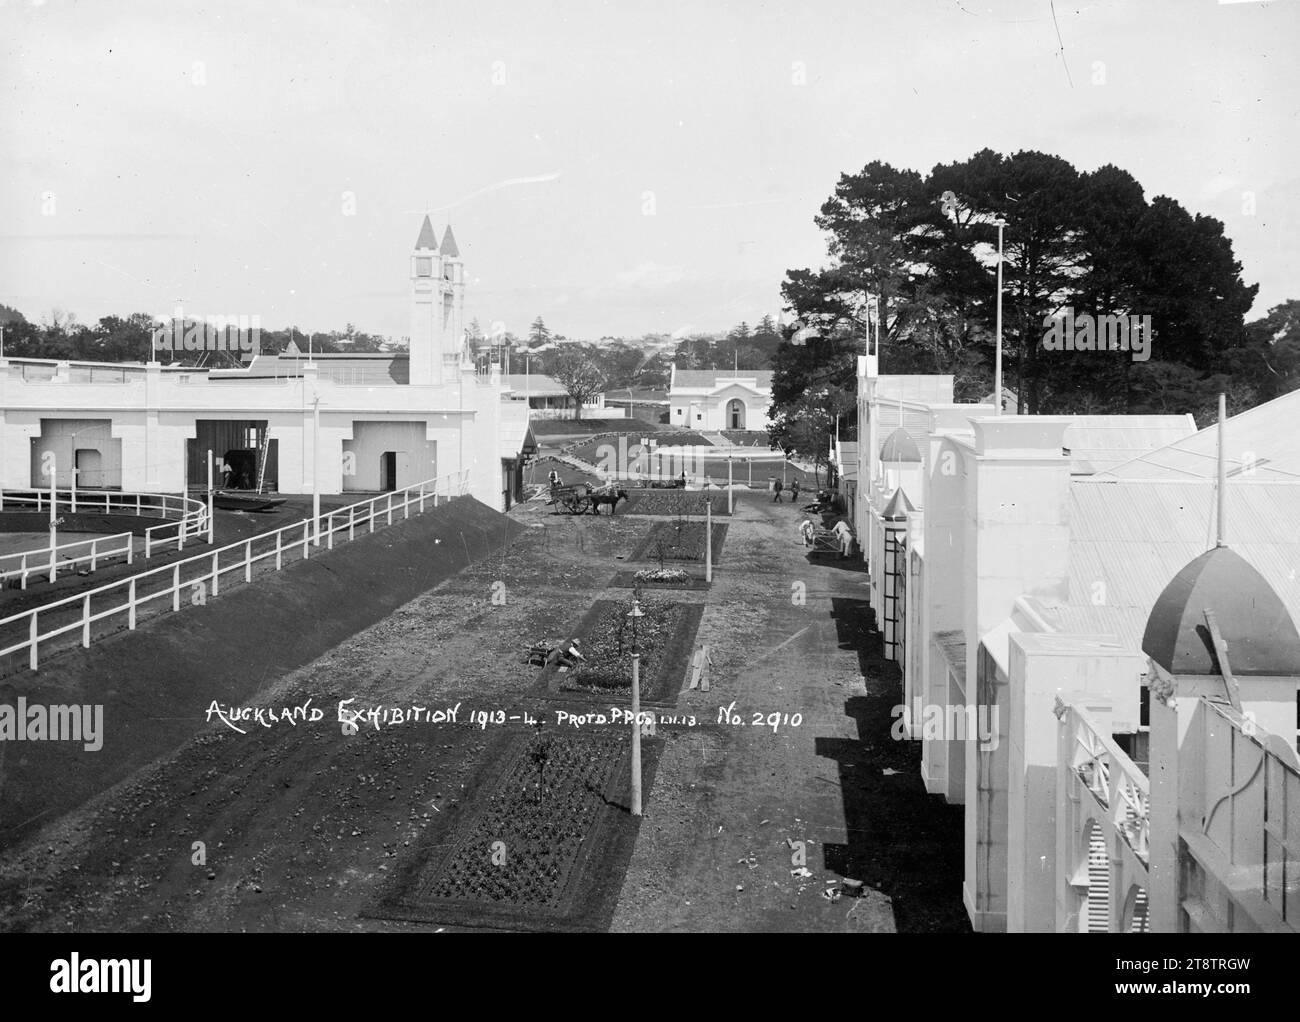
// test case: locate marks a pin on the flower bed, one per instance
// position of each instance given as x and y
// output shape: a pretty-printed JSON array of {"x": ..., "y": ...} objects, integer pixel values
[
  {"x": 676, "y": 502},
  {"x": 607, "y": 645},
  {"x": 665, "y": 636},
  {"x": 688, "y": 581},
  {"x": 662, "y": 575},
  {"x": 541, "y": 850},
  {"x": 679, "y": 541}
]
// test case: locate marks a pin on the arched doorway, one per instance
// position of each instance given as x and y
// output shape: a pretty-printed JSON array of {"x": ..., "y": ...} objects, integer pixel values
[{"x": 735, "y": 414}]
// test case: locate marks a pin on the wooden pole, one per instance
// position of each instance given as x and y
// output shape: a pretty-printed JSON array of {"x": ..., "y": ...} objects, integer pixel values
[
  {"x": 211, "y": 522},
  {"x": 1222, "y": 539},
  {"x": 708, "y": 540},
  {"x": 636, "y": 733}
]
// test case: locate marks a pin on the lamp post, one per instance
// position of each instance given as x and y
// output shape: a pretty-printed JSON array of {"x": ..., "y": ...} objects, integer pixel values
[
  {"x": 636, "y": 614},
  {"x": 997, "y": 364},
  {"x": 708, "y": 539}
]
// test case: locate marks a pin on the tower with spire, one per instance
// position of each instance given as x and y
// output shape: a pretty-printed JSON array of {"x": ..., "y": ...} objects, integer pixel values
[{"x": 437, "y": 306}]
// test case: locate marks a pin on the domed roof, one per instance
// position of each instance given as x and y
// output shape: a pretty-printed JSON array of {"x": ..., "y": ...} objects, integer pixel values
[
  {"x": 898, "y": 446},
  {"x": 1254, "y": 623}
]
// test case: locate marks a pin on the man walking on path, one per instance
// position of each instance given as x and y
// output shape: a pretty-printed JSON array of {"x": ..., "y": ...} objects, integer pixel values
[{"x": 776, "y": 490}]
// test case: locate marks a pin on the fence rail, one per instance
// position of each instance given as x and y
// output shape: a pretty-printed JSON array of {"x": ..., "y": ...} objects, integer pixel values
[
  {"x": 66, "y": 555},
  {"x": 189, "y": 517},
  {"x": 204, "y": 572}
]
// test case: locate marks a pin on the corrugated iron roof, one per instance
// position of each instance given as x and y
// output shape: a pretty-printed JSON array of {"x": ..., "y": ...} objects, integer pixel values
[
  {"x": 1262, "y": 442},
  {"x": 1100, "y": 442},
  {"x": 1129, "y": 538}
]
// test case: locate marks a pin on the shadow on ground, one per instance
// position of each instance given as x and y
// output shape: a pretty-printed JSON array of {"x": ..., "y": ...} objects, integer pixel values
[{"x": 902, "y": 841}]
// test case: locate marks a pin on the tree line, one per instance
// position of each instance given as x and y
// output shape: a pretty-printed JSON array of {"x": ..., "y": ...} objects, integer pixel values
[{"x": 915, "y": 257}]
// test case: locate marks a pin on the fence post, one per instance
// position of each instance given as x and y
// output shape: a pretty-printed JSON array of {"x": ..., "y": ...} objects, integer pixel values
[
  {"x": 329, "y": 531},
  {"x": 306, "y": 539},
  {"x": 406, "y": 504},
  {"x": 176, "y": 586},
  {"x": 31, "y": 638},
  {"x": 130, "y": 549},
  {"x": 372, "y": 514},
  {"x": 137, "y": 505},
  {"x": 279, "y": 548},
  {"x": 422, "y": 498},
  {"x": 216, "y": 575},
  {"x": 130, "y": 612},
  {"x": 352, "y": 521},
  {"x": 148, "y": 543},
  {"x": 248, "y": 561},
  {"x": 85, "y": 621},
  {"x": 390, "y": 508},
  {"x": 94, "y": 549}
]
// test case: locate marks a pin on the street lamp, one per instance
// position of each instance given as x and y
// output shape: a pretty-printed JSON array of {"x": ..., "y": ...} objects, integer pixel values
[
  {"x": 636, "y": 614},
  {"x": 997, "y": 364}
]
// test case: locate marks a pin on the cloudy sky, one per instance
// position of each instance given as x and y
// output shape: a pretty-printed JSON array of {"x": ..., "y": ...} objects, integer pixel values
[{"x": 615, "y": 167}]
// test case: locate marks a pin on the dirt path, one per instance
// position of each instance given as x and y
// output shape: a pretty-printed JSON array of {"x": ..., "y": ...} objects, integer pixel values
[
  {"x": 300, "y": 825},
  {"x": 733, "y": 803}
]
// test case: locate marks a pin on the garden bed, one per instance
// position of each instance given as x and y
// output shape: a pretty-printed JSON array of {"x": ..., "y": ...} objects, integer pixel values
[
  {"x": 679, "y": 541},
  {"x": 666, "y": 636},
  {"x": 676, "y": 502},
  {"x": 628, "y": 580},
  {"x": 524, "y": 855}
]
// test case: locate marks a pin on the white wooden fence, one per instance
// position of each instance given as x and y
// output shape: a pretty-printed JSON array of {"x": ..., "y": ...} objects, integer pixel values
[
  {"x": 52, "y": 560},
  {"x": 204, "y": 571},
  {"x": 190, "y": 521}
]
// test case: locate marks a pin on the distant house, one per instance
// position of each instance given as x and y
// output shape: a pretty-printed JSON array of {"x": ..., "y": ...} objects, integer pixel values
[
  {"x": 718, "y": 399},
  {"x": 548, "y": 399}
]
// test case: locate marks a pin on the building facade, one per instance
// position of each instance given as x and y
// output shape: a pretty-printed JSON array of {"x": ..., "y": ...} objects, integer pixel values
[
  {"x": 341, "y": 423},
  {"x": 714, "y": 400}
]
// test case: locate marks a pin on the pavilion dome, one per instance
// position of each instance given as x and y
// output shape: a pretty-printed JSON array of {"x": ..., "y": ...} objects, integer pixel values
[
  {"x": 898, "y": 446},
  {"x": 1255, "y": 624}
]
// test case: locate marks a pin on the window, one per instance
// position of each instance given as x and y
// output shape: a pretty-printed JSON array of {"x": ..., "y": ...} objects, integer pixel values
[
  {"x": 423, "y": 266},
  {"x": 699, "y": 416}
]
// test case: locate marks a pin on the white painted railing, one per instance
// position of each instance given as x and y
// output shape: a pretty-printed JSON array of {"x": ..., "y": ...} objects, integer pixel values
[
  {"x": 189, "y": 516},
  {"x": 51, "y": 560},
  {"x": 203, "y": 573}
]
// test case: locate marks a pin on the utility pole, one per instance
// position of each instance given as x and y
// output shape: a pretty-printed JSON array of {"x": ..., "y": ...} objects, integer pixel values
[
  {"x": 997, "y": 365},
  {"x": 315, "y": 470}
]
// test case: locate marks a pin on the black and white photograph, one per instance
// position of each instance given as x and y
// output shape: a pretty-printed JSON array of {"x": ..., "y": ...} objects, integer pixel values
[{"x": 595, "y": 466}]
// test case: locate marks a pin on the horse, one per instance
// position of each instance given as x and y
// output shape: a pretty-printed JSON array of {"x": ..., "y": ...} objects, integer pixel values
[{"x": 612, "y": 499}]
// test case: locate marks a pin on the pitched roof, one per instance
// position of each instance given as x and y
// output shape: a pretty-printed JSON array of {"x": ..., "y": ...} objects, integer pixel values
[
  {"x": 1130, "y": 538},
  {"x": 1100, "y": 442},
  {"x": 534, "y": 384},
  {"x": 427, "y": 238},
  {"x": 898, "y": 506},
  {"x": 449, "y": 248},
  {"x": 710, "y": 379},
  {"x": 1263, "y": 443}
]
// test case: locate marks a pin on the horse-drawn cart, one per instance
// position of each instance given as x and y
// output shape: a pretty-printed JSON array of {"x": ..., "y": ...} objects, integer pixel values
[{"x": 576, "y": 500}]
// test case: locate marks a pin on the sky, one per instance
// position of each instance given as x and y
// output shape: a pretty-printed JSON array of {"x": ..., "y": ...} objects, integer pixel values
[{"x": 617, "y": 168}]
